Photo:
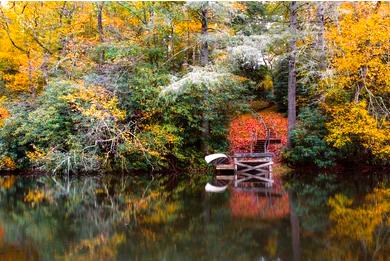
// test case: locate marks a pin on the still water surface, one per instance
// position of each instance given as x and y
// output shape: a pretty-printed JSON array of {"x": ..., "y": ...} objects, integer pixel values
[{"x": 325, "y": 217}]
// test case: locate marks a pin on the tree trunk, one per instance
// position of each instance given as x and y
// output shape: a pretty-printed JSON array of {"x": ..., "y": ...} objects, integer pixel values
[
  {"x": 204, "y": 50},
  {"x": 204, "y": 60},
  {"x": 295, "y": 236},
  {"x": 100, "y": 30},
  {"x": 361, "y": 83},
  {"x": 321, "y": 35},
  {"x": 292, "y": 78},
  {"x": 44, "y": 68},
  {"x": 31, "y": 86}
]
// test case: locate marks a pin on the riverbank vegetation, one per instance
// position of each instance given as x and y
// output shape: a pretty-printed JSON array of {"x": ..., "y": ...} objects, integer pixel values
[{"x": 154, "y": 86}]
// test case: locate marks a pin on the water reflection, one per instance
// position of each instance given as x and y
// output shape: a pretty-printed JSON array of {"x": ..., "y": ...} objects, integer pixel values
[
  {"x": 342, "y": 219},
  {"x": 128, "y": 218}
]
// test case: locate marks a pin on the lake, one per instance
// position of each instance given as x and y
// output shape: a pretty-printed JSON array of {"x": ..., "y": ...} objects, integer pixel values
[{"x": 314, "y": 217}]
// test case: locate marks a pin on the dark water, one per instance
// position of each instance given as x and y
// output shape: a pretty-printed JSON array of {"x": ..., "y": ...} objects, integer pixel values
[{"x": 321, "y": 217}]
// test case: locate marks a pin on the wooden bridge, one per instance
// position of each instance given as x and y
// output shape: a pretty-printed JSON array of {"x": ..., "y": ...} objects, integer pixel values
[{"x": 252, "y": 166}]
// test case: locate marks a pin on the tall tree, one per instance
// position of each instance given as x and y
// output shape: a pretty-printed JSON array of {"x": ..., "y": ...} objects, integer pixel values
[
  {"x": 204, "y": 50},
  {"x": 321, "y": 34},
  {"x": 292, "y": 78},
  {"x": 204, "y": 60}
]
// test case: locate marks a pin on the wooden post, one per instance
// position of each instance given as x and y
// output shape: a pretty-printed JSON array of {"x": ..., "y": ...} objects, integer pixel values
[
  {"x": 235, "y": 172},
  {"x": 270, "y": 174}
]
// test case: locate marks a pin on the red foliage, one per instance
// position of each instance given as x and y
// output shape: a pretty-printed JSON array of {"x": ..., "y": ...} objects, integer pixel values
[
  {"x": 252, "y": 205},
  {"x": 245, "y": 128}
]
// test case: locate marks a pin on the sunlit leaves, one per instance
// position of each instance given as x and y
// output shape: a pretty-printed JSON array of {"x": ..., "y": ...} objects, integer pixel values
[
  {"x": 352, "y": 125},
  {"x": 361, "y": 39},
  {"x": 95, "y": 102}
]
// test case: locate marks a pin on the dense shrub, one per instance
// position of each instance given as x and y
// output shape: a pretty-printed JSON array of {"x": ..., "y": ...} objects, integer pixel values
[
  {"x": 73, "y": 128},
  {"x": 357, "y": 134},
  {"x": 308, "y": 141},
  {"x": 84, "y": 127},
  {"x": 201, "y": 95}
]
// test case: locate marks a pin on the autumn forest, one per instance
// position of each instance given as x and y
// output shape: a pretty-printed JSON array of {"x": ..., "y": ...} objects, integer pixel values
[
  {"x": 108, "y": 109},
  {"x": 89, "y": 87}
]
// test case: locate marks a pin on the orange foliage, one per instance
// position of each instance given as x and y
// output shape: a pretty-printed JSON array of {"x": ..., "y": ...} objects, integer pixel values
[
  {"x": 252, "y": 205},
  {"x": 244, "y": 128},
  {"x": 7, "y": 182},
  {"x": 3, "y": 115}
]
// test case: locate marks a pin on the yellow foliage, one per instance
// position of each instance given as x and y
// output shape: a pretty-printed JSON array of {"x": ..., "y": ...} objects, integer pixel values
[
  {"x": 7, "y": 163},
  {"x": 266, "y": 83},
  {"x": 36, "y": 154},
  {"x": 7, "y": 182},
  {"x": 161, "y": 213},
  {"x": 17, "y": 82},
  {"x": 361, "y": 39},
  {"x": 161, "y": 140},
  {"x": 360, "y": 222},
  {"x": 187, "y": 26},
  {"x": 159, "y": 132},
  {"x": 100, "y": 248},
  {"x": 96, "y": 103},
  {"x": 239, "y": 6},
  {"x": 34, "y": 196},
  {"x": 352, "y": 124}
]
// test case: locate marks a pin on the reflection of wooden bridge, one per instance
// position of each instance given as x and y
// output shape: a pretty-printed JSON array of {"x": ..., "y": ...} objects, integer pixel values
[
  {"x": 254, "y": 166},
  {"x": 247, "y": 202}
]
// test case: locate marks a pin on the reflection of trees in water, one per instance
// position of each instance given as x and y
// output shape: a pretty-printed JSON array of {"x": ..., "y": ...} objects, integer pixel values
[
  {"x": 253, "y": 205},
  {"x": 116, "y": 217},
  {"x": 220, "y": 236},
  {"x": 15, "y": 252},
  {"x": 99, "y": 248},
  {"x": 63, "y": 216},
  {"x": 249, "y": 204},
  {"x": 363, "y": 225},
  {"x": 339, "y": 228}
]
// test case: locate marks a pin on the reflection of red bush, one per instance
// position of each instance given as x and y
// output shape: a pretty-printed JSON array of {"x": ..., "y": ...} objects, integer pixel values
[
  {"x": 253, "y": 205},
  {"x": 243, "y": 127}
]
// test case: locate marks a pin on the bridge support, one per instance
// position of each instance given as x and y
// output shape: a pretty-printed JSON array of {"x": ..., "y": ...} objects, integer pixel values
[{"x": 253, "y": 167}]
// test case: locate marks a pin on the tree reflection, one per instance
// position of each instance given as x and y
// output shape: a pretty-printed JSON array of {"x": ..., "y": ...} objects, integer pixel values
[
  {"x": 255, "y": 205},
  {"x": 99, "y": 248},
  {"x": 126, "y": 218},
  {"x": 334, "y": 226},
  {"x": 366, "y": 223},
  {"x": 12, "y": 252}
]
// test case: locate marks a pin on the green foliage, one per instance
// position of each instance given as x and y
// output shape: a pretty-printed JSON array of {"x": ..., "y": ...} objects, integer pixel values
[
  {"x": 313, "y": 197},
  {"x": 73, "y": 128},
  {"x": 188, "y": 105},
  {"x": 308, "y": 141},
  {"x": 281, "y": 87},
  {"x": 136, "y": 98},
  {"x": 45, "y": 125}
]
